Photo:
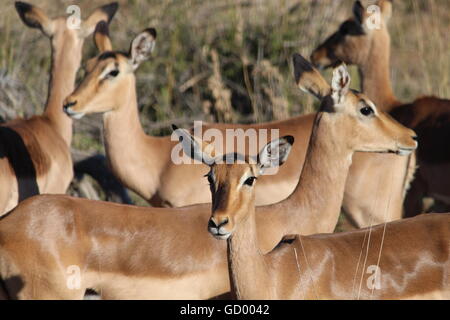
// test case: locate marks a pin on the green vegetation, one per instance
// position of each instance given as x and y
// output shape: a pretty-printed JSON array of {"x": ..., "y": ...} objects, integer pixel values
[
  {"x": 241, "y": 47},
  {"x": 222, "y": 60}
]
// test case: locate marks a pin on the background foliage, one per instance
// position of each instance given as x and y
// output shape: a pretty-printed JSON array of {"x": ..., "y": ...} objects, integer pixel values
[{"x": 221, "y": 60}]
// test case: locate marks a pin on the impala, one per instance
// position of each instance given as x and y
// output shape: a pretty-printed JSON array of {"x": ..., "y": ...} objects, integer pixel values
[
  {"x": 147, "y": 168},
  {"x": 35, "y": 153},
  {"x": 408, "y": 259},
  {"x": 369, "y": 49},
  {"x": 165, "y": 253}
]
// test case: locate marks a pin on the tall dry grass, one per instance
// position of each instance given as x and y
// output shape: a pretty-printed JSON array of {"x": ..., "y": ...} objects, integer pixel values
[{"x": 222, "y": 60}]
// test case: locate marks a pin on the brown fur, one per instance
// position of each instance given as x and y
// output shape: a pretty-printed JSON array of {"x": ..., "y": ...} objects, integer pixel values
[
  {"x": 160, "y": 253},
  {"x": 147, "y": 169},
  {"x": 46, "y": 138},
  {"x": 413, "y": 254},
  {"x": 428, "y": 116}
]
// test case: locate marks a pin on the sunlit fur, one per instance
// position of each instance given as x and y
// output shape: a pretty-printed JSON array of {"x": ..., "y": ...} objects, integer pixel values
[
  {"x": 47, "y": 137},
  {"x": 370, "y": 51},
  {"x": 413, "y": 255},
  {"x": 128, "y": 252},
  {"x": 147, "y": 167},
  {"x": 429, "y": 116}
]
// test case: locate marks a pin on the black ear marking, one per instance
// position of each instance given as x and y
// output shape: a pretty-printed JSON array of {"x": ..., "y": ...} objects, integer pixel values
[
  {"x": 352, "y": 27},
  {"x": 110, "y": 10},
  {"x": 152, "y": 32},
  {"x": 358, "y": 11},
  {"x": 22, "y": 9},
  {"x": 301, "y": 65}
]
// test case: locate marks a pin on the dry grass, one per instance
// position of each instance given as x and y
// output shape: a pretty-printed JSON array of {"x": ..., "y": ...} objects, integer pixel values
[{"x": 222, "y": 60}]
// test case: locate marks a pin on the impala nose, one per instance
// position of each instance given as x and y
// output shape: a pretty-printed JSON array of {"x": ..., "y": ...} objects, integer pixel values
[
  {"x": 67, "y": 105},
  {"x": 212, "y": 223},
  {"x": 216, "y": 228}
]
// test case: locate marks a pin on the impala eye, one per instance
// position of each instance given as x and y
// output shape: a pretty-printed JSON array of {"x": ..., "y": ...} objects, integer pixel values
[
  {"x": 367, "y": 111},
  {"x": 112, "y": 74},
  {"x": 250, "y": 181}
]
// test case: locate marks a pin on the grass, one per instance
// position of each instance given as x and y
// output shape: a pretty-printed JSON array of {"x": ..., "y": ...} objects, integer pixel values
[
  {"x": 222, "y": 60},
  {"x": 230, "y": 50}
]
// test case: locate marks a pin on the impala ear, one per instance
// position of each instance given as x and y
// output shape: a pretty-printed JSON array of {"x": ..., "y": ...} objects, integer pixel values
[
  {"x": 275, "y": 153},
  {"x": 197, "y": 150},
  {"x": 340, "y": 84},
  {"x": 142, "y": 47},
  {"x": 34, "y": 17},
  {"x": 101, "y": 37},
  {"x": 308, "y": 78},
  {"x": 358, "y": 12},
  {"x": 103, "y": 13}
]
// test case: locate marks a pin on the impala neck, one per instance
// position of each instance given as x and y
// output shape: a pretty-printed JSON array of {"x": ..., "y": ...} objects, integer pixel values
[
  {"x": 320, "y": 190},
  {"x": 128, "y": 148},
  {"x": 374, "y": 73},
  {"x": 249, "y": 272},
  {"x": 66, "y": 59}
]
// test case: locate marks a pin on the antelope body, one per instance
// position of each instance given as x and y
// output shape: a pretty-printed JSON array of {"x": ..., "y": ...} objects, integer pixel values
[
  {"x": 409, "y": 259},
  {"x": 369, "y": 49},
  {"x": 35, "y": 153},
  {"x": 127, "y": 252},
  {"x": 147, "y": 167}
]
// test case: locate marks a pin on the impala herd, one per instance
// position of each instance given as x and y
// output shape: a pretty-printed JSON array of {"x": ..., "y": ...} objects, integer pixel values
[{"x": 363, "y": 152}]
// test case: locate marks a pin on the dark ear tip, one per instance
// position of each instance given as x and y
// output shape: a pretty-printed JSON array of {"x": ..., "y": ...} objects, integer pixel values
[
  {"x": 357, "y": 7},
  {"x": 300, "y": 60},
  {"x": 174, "y": 127},
  {"x": 110, "y": 9},
  {"x": 300, "y": 65},
  {"x": 102, "y": 28},
  {"x": 297, "y": 58},
  {"x": 23, "y": 7},
  {"x": 151, "y": 31},
  {"x": 289, "y": 139}
]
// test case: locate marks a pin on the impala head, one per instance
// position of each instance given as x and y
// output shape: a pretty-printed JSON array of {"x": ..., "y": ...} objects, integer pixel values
[
  {"x": 60, "y": 30},
  {"x": 232, "y": 178},
  {"x": 110, "y": 75},
  {"x": 355, "y": 37},
  {"x": 351, "y": 115}
]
